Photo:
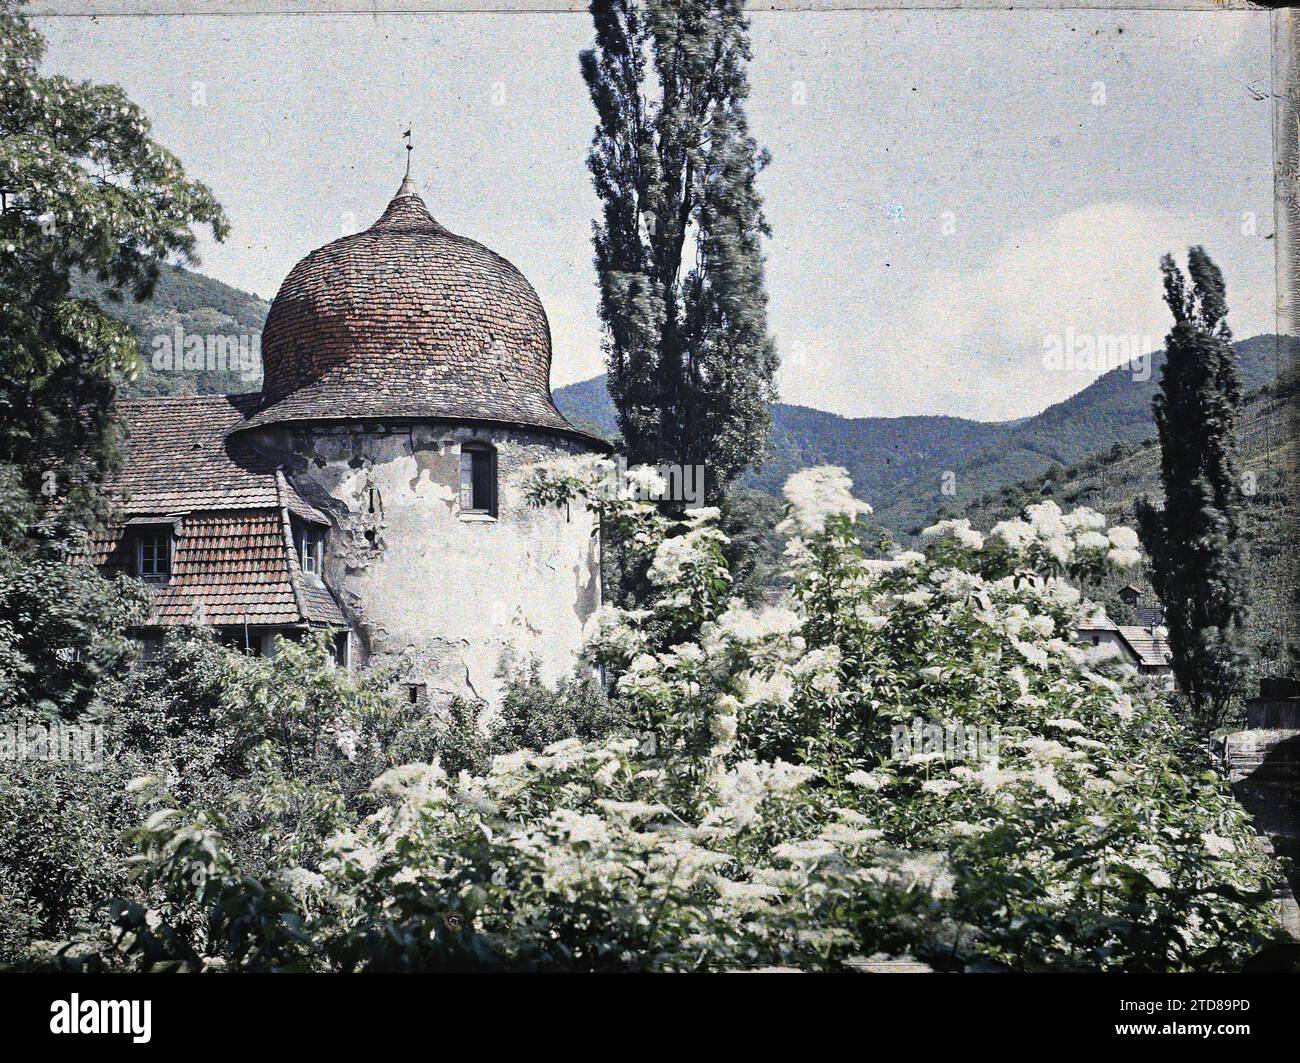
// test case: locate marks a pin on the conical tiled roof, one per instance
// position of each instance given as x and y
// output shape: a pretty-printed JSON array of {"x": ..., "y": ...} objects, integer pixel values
[{"x": 407, "y": 319}]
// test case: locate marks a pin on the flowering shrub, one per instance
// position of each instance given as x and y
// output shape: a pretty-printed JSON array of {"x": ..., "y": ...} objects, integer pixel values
[{"x": 770, "y": 815}]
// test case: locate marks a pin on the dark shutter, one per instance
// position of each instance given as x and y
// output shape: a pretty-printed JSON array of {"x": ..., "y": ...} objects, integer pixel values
[{"x": 483, "y": 481}]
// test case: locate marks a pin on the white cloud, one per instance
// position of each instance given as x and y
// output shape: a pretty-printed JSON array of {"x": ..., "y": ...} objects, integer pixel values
[{"x": 970, "y": 341}]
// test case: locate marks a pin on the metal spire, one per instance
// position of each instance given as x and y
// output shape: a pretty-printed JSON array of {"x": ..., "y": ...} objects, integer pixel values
[{"x": 408, "y": 186}]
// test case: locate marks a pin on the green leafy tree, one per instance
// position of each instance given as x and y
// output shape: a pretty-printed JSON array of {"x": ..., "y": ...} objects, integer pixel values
[
  {"x": 534, "y": 714},
  {"x": 677, "y": 249},
  {"x": 905, "y": 756},
  {"x": 83, "y": 189},
  {"x": 1195, "y": 543},
  {"x": 753, "y": 548}
]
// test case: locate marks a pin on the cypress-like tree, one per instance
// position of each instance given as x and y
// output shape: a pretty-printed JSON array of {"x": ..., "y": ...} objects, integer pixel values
[
  {"x": 1197, "y": 554},
  {"x": 677, "y": 249}
]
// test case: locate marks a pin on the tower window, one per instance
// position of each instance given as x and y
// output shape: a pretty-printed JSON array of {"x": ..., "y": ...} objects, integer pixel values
[
  {"x": 153, "y": 556},
  {"x": 478, "y": 479}
]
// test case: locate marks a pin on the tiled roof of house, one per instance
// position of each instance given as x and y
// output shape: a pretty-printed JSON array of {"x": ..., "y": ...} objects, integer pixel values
[
  {"x": 178, "y": 458},
  {"x": 1147, "y": 645},
  {"x": 1150, "y": 615},
  {"x": 228, "y": 568},
  {"x": 234, "y": 561},
  {"x": 407, "y": 319},
  {"x": 1152, "y": 649}
]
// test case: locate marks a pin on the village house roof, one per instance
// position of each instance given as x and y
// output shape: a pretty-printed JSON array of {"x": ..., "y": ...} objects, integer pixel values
[
  {"x": 407, "y": 319},
  {"x": 1147, "y": 645},
  {"x": 1151, "y": 648},
  {"x": 229, "y": 507}
]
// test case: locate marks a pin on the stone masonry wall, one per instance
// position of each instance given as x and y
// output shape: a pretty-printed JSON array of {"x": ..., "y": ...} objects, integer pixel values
[{"x": 440, "y": 595}]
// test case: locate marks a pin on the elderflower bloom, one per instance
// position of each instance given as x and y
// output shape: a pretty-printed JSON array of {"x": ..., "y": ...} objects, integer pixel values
[
  {"x": 743, "y": 625},
  {"x": 866, "y": 780},
  {"x": 645, "y": 481},
  {"x": 1123, "y": 538},
  {"x": 1091, "y": 540},
  {"x": 818, "y": 494},
  {"x": 959, "y": 531},
  {"x": 1014, "y": 534},
  {"x": 1046, "y": 519}
]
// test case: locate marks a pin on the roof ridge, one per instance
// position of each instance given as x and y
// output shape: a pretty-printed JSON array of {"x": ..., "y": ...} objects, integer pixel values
[{"x": 140, "y": 400}]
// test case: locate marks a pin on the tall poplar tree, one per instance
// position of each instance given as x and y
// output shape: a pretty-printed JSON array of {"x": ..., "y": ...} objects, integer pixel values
[
  {"x": 1195, "y": 543},
  {"x": 678, "y": 247}
]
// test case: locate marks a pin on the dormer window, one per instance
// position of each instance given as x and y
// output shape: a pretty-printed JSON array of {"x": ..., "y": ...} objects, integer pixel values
[
  {"x": 478, "y": 479},
  {"x": 153, "y": 553},
  {"x": 309, "y": 541}
]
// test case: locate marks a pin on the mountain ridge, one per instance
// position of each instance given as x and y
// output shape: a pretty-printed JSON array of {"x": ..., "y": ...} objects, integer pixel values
[
  {"x": 917, "y": 467},
  {"x": 898, "y": 464}
]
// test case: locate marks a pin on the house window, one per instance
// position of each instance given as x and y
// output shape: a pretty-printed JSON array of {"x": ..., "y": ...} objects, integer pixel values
[
  {"x": 153, "y": 556},
  {"x": 149, "y": 651},
  {"x": 311, "y": 548},
  {"x": 478, "y": 479}
]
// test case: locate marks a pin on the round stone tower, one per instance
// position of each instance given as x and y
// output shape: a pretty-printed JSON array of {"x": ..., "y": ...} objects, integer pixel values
[{"x": 406, "y": 394}]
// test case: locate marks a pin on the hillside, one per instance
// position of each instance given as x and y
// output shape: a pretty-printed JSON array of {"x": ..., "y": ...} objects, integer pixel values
[
  {"x": 898, "y": 463},
  {"x": 879, "y": 452},
  {"x": 199, "y": 306},
  {"x": 1268, "y": 453},
  {"x": 1113, "y": 409}
]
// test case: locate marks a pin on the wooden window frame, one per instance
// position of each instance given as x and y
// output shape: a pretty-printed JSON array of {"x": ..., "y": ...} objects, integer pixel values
[
  {"x": 167, "y": 538},
  {"x": 305, "y": 534},
  {"x": 470, "y": 502}
]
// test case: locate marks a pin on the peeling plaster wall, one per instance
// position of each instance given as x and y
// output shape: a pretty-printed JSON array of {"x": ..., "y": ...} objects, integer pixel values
[{"x": 437, "y": 594}]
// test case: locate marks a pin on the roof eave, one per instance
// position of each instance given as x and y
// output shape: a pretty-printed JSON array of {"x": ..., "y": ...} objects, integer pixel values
[{"x": 596, "y": 442}]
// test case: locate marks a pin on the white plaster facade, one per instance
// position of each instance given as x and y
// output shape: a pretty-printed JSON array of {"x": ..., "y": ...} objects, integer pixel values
[{"x": 441, "y": 596}]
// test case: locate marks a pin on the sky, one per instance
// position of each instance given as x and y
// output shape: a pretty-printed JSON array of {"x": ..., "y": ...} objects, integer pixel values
[{"x": 952, "y": 194}]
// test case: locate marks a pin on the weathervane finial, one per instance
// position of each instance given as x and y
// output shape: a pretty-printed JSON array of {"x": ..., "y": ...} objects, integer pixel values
[{"x": 408, "y": 186}]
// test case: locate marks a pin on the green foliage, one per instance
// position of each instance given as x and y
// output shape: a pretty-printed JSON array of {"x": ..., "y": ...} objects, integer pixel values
[
  {"x": 748, "y": 519},
  {"x": 776, "y": 819},
  {"x": 60, "y": 854},
  {"x": 85, "y": 189},
  {"x": 61, "y": 624},
  {"x": 1195, "y": 541},
  {"x": 283, "y": 748},
  {"x": 533, "y": 715},
  {"x": 678, "y": 256},
  {"x": 279, "y": 752}
]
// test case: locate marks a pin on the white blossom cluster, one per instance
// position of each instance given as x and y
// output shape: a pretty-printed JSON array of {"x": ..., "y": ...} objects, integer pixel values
[{"x": 769, "y": 823}]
